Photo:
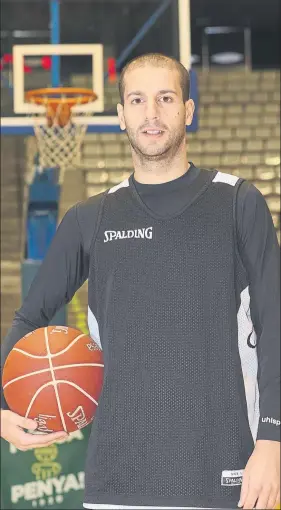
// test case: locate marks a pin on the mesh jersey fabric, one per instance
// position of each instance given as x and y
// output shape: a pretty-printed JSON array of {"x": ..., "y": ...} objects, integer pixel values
[{"x": 163, "y": 299}]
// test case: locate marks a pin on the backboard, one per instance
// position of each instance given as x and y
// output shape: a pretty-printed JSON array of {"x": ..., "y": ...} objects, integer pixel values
[{"x": 86, "y": 54}]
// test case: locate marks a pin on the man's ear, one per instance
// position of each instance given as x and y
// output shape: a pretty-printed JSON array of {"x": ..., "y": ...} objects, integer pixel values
[
  {"x": 120, "y": 111},
  {"x": 189, "y": 111}
]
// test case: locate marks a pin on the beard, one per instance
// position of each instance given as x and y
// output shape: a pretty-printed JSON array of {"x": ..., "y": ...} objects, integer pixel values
[{"x": 156, "y": 150}]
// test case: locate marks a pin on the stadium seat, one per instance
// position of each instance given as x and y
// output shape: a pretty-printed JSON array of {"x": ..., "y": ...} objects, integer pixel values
[
  {"x": 234, "y": 109},
  {"x": 242, "y": 97},
  {"x": 265, "y": 187},
  {"x": 234, "y": 146},
  {"x": 216, "y": 110},
  {"x": 254, "y": 145},
  {"x": 194, "y": 147},
  {"x": 265, "y": 173},
  {"x": 117, "y": 176},
  {"x": 93, "y": 149},
  {"x": 231, "y": 160},
  {"x": 260, "y": 97},
  {"x": 233, "y": 120},
  {"x": 255, "y": 108},
  {"x": 113, "y": 149},
  {"x": 210, "y": 160},
  {"x": 212, "y": 121},
  {"x": 226, "y": 97},
  {"x": 213, "y": 147},
  {"x": 272, "y": 108},
  {"x": 272, "y": 144},
  {"x": 251, "y": 119},
  {"x": 269, "y": 119},
  {"x": 246, "y": 172},
  {"x": 97, "y": 177},
  {"x": 253, "y": 158},
  {"x": 271, "y": 158},
  {"x": 224, "y": 133},
  {"x": 243, "y": 132},
  {"x": 204, "y": 133},
  {"x": 96, "y": 189},
  {"x": 262, "y": 132},
  {"x": 208, "y": 99}
]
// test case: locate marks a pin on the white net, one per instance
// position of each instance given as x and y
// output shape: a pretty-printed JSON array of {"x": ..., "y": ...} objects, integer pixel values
[
  {"x": 59, "y": 146},
  {"x": 59, "y": 138}
]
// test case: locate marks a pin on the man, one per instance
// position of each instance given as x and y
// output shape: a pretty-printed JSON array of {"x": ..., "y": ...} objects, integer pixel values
[{"x": 183, "y": 299}]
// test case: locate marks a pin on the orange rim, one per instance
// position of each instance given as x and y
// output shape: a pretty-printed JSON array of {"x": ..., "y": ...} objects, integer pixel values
[{"x": 45, "y": 96}]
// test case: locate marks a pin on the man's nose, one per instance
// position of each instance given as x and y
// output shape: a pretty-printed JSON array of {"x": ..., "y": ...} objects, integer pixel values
[{"x": 152, "y": 110}]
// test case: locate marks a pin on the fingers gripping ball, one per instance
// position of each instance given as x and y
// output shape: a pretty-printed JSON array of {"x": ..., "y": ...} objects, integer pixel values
[{"x": 54, "y": 375}]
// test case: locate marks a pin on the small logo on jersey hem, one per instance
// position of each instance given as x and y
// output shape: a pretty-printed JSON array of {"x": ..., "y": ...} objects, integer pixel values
[
  {"x": 231, "y": 478},
  {"x": 140, "y": 233}
]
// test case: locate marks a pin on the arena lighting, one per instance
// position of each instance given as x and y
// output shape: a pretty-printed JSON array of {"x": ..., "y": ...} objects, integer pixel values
[
  {"x": 220, "y": 30},
  {"x": 227, "y": 58},
  {"x": 195, "y": 59}
]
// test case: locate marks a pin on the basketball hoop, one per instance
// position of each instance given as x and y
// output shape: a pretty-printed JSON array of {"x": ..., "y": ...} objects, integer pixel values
[{"x": 60, "y": 131}]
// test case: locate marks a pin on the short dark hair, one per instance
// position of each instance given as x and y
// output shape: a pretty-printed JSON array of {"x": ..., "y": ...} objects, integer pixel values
[{"x": 159, "y": 60}]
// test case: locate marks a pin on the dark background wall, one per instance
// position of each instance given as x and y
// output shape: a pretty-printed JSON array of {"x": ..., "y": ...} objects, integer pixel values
[{"x": 115, "y": 22}]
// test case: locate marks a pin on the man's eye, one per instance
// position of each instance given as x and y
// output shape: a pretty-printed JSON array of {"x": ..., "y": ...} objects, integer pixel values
[
  {"x": 137, "y": 100},
  {"x": 166, "y": 99}
]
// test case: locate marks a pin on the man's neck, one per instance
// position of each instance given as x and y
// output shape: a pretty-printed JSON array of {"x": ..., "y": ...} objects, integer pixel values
[{"x": 158, "y": 172}]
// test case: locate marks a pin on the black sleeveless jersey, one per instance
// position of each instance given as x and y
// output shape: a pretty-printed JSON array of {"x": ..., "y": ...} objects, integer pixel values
[{"x": 171, "y": 427}]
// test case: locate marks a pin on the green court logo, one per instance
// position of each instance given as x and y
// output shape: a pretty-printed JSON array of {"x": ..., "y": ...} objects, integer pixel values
[{"x": 46, "y": 467}]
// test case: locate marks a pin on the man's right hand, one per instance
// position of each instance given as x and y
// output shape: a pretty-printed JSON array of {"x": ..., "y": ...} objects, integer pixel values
[{"x": 12, "y": 426}]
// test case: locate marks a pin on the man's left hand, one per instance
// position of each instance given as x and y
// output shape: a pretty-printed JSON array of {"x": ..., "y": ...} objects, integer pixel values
[{"x": 261, "y": 478}]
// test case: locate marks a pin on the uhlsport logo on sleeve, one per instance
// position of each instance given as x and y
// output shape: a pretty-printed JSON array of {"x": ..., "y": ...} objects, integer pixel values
[
  {"x": 140, "y": 233},
  {"x": 273, "y": 421}
]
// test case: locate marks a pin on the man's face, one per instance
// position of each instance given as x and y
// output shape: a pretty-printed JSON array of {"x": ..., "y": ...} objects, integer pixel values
[{"x": 154, "y": 113}]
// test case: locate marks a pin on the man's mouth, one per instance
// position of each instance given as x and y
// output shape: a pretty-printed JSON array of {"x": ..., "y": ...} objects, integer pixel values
[{"x": 153, "y": 132}]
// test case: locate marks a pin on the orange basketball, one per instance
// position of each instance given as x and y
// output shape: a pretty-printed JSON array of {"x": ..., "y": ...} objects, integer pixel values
[{"x": 54, "y": 375}]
